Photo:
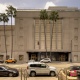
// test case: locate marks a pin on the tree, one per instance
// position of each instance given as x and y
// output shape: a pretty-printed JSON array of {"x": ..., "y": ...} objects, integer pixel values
[
  {"x": 53, "y": 17},
  {"x": 11, "y": 11},
  {"x": 4, "y": 18},
  {"x": 44, "y": 16}
]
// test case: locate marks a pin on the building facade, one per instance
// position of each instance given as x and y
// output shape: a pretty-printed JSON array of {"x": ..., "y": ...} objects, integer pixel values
[{"x": 29, "y": 39}]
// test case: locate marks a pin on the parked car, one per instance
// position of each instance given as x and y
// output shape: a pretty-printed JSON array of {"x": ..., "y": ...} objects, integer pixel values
[
  {"x": 39, "y": 68},
  {"x": 31, "y": 61},
  {"x": 45, "y": 60},
  {"x": 7, "y": 71},
  {"x": 1, "y": 61},
  {"x": 73, "y": 70},
  {"x": 11, "y": 60}
]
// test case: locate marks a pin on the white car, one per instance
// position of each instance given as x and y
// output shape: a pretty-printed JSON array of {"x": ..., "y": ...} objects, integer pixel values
[
  {"x": 31, "y": 61},
  {"x": 39, "y": 68},
  {"x": 45, "y": 60}
]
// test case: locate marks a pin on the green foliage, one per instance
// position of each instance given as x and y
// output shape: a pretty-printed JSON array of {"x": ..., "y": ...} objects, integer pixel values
[
  {"x": 4, "y": 17},
  {"x": 11, "y": 11},
  {"x": 43, "y": 15},
  {"x": 54, "y": 16}
]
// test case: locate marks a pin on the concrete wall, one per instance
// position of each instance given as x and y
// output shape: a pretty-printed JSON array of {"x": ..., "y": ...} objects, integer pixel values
[{"x": 24, "y": 35}]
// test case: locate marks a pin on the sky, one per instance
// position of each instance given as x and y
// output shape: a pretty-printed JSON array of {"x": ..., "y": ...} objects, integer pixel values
[{"x": 37, "y": 4}]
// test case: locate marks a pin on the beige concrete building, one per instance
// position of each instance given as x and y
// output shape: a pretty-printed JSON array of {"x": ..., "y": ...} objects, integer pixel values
[{"x": 29, "y": 40}]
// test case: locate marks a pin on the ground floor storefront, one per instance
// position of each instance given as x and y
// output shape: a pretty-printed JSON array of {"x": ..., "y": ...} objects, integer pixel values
[
  {"x": 23, "y": 57},
  {"x": 55, "y": 56}
]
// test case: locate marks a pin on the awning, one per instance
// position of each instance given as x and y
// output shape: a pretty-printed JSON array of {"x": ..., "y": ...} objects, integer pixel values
[{"x": 41, "y": 50}]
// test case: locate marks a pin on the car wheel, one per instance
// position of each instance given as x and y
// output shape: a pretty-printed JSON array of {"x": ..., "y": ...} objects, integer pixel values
[
  {"x": 2, "y": 62},
  {"x": 68, "y": 73},
  {"x": 52, "y": 73},
  {"x": 6, "y": 62},
  {"x": 33, "y": 74},
  {"x": 10, "y": 74},
  {"x": 13, "y": 62}
]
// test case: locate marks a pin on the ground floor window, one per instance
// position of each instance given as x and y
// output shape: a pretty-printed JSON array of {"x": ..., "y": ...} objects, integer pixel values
[
  {"x": 75, "y": 57},
  {"x": 1, "y": 57},
  {"x": 55, "y": 56},
  {"x": 42, "y": 55},
  {"x": 7, "y": 57},
  {"x": 21, "y": 57}
]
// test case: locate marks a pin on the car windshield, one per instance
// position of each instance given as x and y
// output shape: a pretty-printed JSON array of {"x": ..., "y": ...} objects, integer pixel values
[{"x": 75, "y": 68}]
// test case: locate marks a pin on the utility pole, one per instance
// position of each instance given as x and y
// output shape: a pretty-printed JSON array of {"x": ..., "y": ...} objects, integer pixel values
[{"x": 71, "y": 52}]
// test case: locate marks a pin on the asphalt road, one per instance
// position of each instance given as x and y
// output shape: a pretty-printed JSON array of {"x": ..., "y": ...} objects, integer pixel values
[{"x": 58, "y": 65}]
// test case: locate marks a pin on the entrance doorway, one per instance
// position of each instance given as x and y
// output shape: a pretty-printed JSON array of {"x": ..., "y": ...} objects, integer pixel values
[
  {"x": 55, "y": 56},
  {"x": 60, "y": 56},
  {"x": 33, "y": 56}
]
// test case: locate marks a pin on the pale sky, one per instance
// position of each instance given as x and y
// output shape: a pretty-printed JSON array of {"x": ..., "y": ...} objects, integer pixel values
[{"x": 38, "y": 4}]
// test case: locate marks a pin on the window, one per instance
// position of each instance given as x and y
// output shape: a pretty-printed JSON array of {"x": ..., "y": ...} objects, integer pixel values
[
  {"x": 43, "y": 66},
  {"x": 0, "y": 46},
  {"x": 0, "y": 38},
  {"x": 35, "y": 65},
  {"x": 8, "y": 56},
  {"x": 75, "y": 57},
  {"x": 75, "y": 68},
  {"x": 76, "y": 29},
  {"x": 32, "y": 65},
  {"x": 21, "y": 47},
  {"x": 1, "y": 57},
  {"x": 1, "y": 68},
  {"x": 76, "y": 37},
  {"x": 20, "y": 37},
  {"x": 21, "y": 57},
  {"x": 8, "y": 47},
  {"x": 21, "y": 23},
  {"x": 76, "y": 47},
  {"x": 20, "y": 27}
]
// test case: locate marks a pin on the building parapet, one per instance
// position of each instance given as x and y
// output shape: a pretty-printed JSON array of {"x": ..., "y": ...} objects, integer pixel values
[{"x": 63, "y": 8}]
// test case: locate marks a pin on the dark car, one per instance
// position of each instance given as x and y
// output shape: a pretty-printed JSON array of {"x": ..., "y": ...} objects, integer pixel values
[
  {"x": 1, "y": 61},
  {"x": 7, "y": 71},
  {"x": 73, "y": 70}
]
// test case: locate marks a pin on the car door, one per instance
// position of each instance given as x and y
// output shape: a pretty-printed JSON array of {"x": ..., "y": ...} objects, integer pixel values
[
  {"x": 78, "y": 72},
  {"x": 43, "y": 69},
  {"x": 3, "y": 72}
]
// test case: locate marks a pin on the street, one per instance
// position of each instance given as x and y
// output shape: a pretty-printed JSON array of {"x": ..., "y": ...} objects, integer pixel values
[{"x": 58, "y": 65}]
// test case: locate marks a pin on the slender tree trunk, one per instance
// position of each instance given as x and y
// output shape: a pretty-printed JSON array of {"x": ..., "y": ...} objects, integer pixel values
[
  {"x": 34, "y": 33},
  {"x": 5, "y": 40},
  {"x": 52, "y": 26},
  {"x": 56, "y": 35},
  {"x": 11, "y": 38},
  {"x": 45, "y": 37},
  {"x": 40, "y": 39},
  {"x": 50, "y": 39},
  {"x": 39, "y": 35}
]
